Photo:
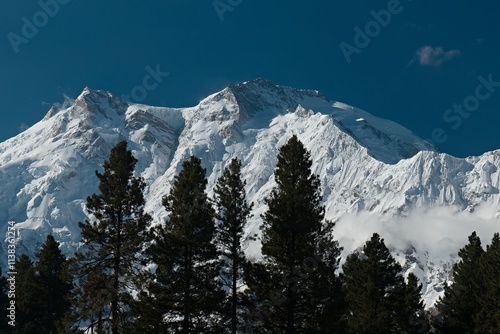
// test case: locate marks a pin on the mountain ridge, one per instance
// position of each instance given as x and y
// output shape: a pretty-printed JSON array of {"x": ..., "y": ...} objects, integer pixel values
[{"x": 365, "y": 163}]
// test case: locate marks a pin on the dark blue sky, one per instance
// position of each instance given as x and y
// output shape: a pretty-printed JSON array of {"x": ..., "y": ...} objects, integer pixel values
[{"x": 414, "y": 64}]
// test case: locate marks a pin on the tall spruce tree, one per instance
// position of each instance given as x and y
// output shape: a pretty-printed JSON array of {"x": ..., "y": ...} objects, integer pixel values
[
  {"x": 417, "y": 320},
  {"x": 488, "y": 295},
  {"x": 28, "y": 297},
  {"x": 375, "y": 290},
  {"x": 232, "y": 213},
  {"x": 114, "y": 238},
  {"x": 296, "y": 288},
  {"x": 55, "y": 284},
  {"x": 186, "y": 289},
  {"x": 459, "y": 306}
]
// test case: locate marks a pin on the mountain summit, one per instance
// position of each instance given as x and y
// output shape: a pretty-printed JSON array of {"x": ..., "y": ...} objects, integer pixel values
[{"x": 365, "y": 163}]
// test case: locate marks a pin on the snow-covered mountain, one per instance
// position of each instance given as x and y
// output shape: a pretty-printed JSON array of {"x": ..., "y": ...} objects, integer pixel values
[{"x": 367, "y": 165}]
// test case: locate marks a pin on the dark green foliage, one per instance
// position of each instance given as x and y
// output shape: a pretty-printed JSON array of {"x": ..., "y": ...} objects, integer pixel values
[
  {"x": 148, "y": 311},
  {"x": 232, "y": 213},
  {"x": 186, "y": 291},
  {"x": 55, "y": 284},
  {"x": 28, "y": 297},
  {"x": 108, "y": 263},
  {"x": 459, "y": 307},
  {"x": 375, "y": 290},
  {"x": 92, "y": 302},
  {"x": 488, "y": 316},
  {"x": 40, "y": 291},
  {"x": 416, "y": 318},
  {"x": 296, "y": 288}
]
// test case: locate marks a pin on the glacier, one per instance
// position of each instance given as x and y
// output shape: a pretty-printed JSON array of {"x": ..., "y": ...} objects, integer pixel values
[{"x": 375, "y": 174}]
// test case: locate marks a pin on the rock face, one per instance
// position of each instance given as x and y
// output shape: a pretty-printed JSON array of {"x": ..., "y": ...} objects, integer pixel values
[{"x": 366, "y": 164}]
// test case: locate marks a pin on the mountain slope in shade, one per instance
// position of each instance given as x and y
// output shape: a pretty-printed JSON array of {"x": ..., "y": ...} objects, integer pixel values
[{"x": 366, "y": 164}]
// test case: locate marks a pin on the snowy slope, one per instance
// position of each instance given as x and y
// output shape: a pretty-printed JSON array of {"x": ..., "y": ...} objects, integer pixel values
[{"x": 367, "y": 165}]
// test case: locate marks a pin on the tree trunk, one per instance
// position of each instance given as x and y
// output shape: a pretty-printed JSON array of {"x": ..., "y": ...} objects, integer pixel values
[
  {"x": 234, "y": 296},
  {"x": 187, "y": 295},
  {"x": 116, "y": 278}
]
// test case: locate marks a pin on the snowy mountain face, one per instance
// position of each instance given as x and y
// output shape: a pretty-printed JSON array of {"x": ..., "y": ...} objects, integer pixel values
[{"x": 375, "y": 173}]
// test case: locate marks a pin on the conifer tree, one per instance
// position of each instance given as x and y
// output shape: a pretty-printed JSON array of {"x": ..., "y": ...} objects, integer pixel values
[
  {"x": 113, "y": 238},
  {"x": 375, "y": 290},
  {"x": 416, "y": 318},
  {"x": 186, "y": 289},
  {"x": 28, "y": 297},
  {"x": 296, "y": 288},
  {"x": 488, "y": 294},
  {"x": 94, "y": 300},
  {"x": 232, "y": 213},
  {"x": 148, "y": 309},
  {"x": 459, "y": 306},
  {"x": 55, "y": 284}
]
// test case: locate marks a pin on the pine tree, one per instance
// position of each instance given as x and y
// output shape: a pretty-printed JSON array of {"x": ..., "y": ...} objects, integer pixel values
[
  {"x": 375, "y": 289},
  {"x": 94, "y": 300},
  {"x": 232, "y": 212},
  {"x": 186, "y": 290},
  {"x": 114, "y": 238},
  {"x": 148, "y": 310},
  {"x": 28, "y": 297},
  {"x": 327, "y": 286},
  {"x": 55, "y": 284},
  {"x": 488, "y": 295},
  {"x": 296, "y": 288},
  {"x": 416, "y": 318},
  {"x": 459, "y": 306}
]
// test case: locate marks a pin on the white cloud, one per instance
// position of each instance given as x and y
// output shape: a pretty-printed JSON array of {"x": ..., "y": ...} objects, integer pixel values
[
  {"x": 436, "y": 234},
  {"x": 440, "y": 231},
  {"x": 435, "y": 56}
]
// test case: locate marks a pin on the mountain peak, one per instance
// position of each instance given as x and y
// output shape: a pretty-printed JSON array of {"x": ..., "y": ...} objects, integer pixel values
[
  {"x": 255, "y": 104},
  {"x": 260, "y": 85},
  {"x": 262, "y": 96},
  {"x": 365, "y": 164},
  {"x": 100, "y": 101},
  {"x": 86, "y": 91},
  {"x": 258, "y": 81}
]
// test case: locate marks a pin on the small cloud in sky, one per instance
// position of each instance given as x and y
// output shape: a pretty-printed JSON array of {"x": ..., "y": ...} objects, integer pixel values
[{"x": 435, "y": 56}]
